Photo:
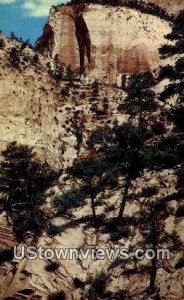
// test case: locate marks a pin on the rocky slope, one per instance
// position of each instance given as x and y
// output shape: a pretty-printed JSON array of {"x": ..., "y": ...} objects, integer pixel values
[
  {"x": 172, "y": 7},
  {"x": 44, "y": 113},
  {"x": 39, "y": 112},
  {"x": 103, "y": 41}
]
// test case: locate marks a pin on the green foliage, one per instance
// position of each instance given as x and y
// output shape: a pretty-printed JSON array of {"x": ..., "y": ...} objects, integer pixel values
[
  {"x": 141, "y": 98},
  {"x": 70, "y": 199},
  {"x": 93, "y": 172},
  {"x": 88, "y": 168},
  {"x": 102, "y": 138},
  {"x": 157, "y": 159},
  {"x": 23, "y": 182},
  {"x": 176, "y": 74},
  {"x": 177, "y": 35}
]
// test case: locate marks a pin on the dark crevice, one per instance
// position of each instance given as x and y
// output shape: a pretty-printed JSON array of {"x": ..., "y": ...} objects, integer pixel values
[
  {"x": 83, "y": 39},
  {"x": 46, "y": 40}
]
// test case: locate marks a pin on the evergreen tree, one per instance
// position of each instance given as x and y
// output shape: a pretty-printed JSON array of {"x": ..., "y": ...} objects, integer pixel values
[
  {"x": 122, "y": 148},
  {"x": 2, "y": 44},
  {"x": 90, "y": 171},
  {"x": 14, "y": 57},
  {"x": 23, "y": 182},
  {"x": 176, "y": 87},
  {"x": 155, "y": 213},
  {"x": 140, "y": 100},
  {"x": 177, "y": 35}
]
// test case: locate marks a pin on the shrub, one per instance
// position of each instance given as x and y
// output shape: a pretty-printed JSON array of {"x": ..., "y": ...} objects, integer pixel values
[{"x": 2, "y": 44}]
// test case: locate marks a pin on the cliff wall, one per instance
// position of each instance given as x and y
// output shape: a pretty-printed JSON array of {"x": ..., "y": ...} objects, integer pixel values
[{"x": 103, "y": 41}]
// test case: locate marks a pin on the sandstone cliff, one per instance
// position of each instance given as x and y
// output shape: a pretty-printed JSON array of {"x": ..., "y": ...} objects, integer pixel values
[
  {"x": 103, "y": 41},
  {"x": 41, "y": 112}
]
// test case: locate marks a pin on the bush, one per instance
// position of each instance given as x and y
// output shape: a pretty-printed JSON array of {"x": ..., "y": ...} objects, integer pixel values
[{"x": 2, "y": 44}]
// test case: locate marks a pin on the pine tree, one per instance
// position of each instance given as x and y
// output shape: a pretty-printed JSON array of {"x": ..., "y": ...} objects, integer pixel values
[
  {"x": 14, "y": 57},
  {"x": 140, "y": 100},
  {"x": 2, "y": 44},
  {"x": 90, "y": 171},
  {"x": 23, "y": 182},
  {"x": 121, "y": 147},
  {"x": 176, "y": 87}
]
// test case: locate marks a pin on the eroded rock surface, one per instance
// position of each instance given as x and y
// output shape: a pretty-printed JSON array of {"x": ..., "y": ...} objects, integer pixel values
[{"x": 103, "y": 41}]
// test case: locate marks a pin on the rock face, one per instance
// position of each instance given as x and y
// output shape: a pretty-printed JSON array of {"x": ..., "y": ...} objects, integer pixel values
[
  {"x": 103, "y": 41},
  {"x": 36, "y": 111}
]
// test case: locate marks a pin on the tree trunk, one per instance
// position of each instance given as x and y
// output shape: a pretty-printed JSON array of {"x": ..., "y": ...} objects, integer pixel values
[
  {"x": 93, "y": 206},
  {"x": 123, "y": 202}
]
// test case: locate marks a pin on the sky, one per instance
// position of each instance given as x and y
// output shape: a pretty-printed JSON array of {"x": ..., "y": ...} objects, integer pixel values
[{"x": 25, "y": 18}]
